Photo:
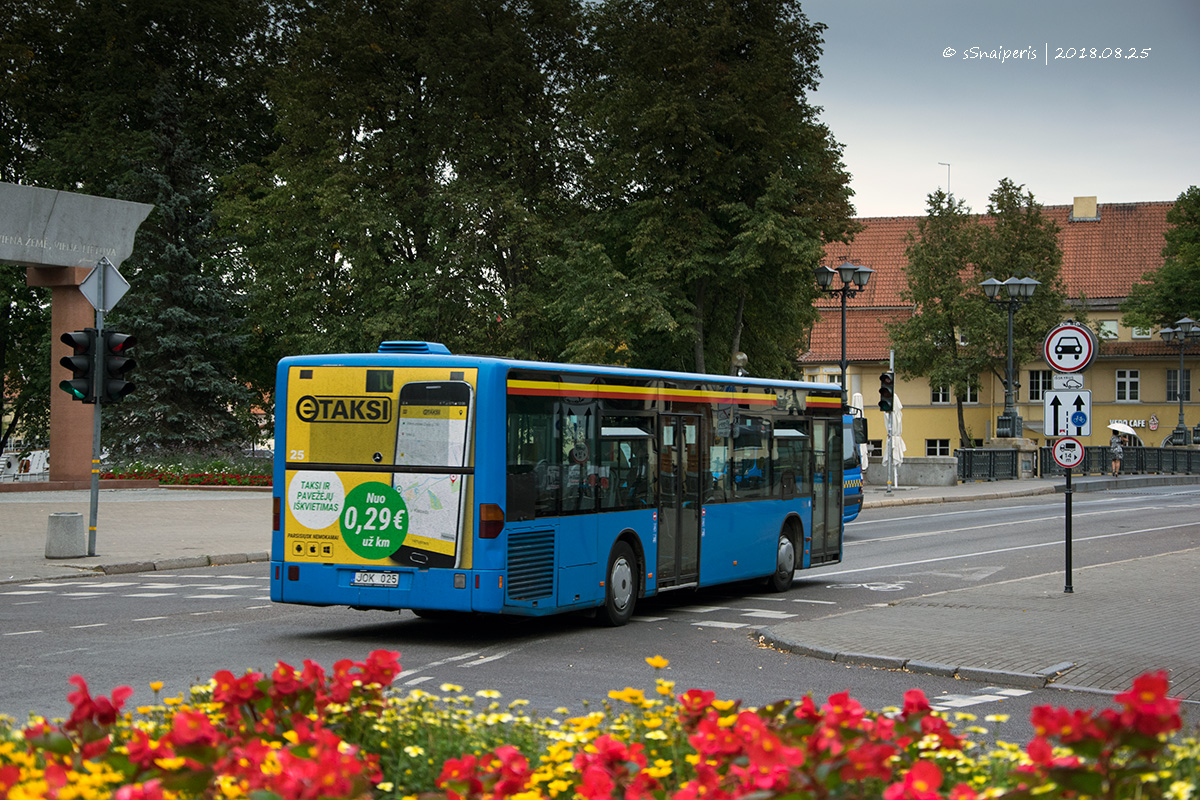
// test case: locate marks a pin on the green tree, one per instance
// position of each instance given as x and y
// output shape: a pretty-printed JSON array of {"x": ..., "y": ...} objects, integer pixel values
[
  {"x": 940, "y": 340},
  {"x": 1173, "y": 290},
  {"x": 714, "y": 179},
  {"x": 419, "y": 177},
  {"x": 1021, "y": 242},
  {"x": 152, "y": 102},
  {"x": 954, "y": 335},
  {"x": 24, "y": 358}
]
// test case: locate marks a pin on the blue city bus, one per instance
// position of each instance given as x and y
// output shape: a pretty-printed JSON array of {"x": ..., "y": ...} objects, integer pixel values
[
  {"x": 413, "y": 478},
  {"x": 854, "y": 435}
]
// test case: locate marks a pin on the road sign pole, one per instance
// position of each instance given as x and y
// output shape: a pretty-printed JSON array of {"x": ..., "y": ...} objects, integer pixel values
[
  {"x": 94, "y": 511},
  {"x": 1068, "y": 589}
]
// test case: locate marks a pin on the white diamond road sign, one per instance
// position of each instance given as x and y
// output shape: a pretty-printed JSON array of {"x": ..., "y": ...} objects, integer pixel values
[{"x": 1067, "y": 413}]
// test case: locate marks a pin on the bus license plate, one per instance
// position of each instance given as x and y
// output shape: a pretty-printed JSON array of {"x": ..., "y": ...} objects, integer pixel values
[{"x": 391, "y": 579}]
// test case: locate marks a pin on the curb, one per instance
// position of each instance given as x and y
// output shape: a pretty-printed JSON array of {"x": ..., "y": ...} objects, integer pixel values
[
  {"x": 191, "y": 562},
  {"x": 887, "y": 502},
  {"x": 187, "y": 562},
  {"x": 1023, "y": 680}
]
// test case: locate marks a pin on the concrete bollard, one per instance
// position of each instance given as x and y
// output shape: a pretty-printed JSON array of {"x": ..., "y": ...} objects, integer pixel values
[{"x": 66, "y": 536}]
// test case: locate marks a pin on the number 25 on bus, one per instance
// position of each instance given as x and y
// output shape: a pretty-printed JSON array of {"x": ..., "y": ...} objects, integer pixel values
[{"x": 413, "y": 478}]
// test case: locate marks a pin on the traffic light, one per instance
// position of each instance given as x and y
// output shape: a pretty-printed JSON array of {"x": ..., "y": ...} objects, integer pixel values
[
  {"x": 117, "y": 366},
  {"x": 82, "y": 364},
  {"x": 887, "y": 393}
]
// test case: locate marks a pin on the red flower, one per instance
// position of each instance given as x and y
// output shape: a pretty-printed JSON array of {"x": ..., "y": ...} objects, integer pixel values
[
  {"x": 150, "y": 790},
  {"x": 921, "y": 782},
  {"x": 1148, "y": 710},
  {"x": 99, "y": 710},
  {"x": 238, "y": 691},
  {"x": 143, "y": 752},
  {"x": 381, "y": 667},
  {"x": 842, "y": 709},
  {"x": 695, "y": 701},
  {"x": 190, "y": 727},
  {"x": 460, "y": 778},
  {"x": 915, "y": 703}
]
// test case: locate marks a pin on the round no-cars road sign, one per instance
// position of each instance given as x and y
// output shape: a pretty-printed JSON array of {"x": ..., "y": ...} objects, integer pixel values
[
  {"x": 1068, "y": 452},
  {"x": 1069, "y": 348}
]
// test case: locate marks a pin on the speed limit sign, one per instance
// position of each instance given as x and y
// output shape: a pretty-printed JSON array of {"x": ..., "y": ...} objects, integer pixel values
[{"x": 1068, "y": 452}]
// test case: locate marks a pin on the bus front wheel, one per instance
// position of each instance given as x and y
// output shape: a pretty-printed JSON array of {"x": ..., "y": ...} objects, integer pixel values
[
  {"x": 785, "y": 563},
  {"x": 621, "y": 586}
]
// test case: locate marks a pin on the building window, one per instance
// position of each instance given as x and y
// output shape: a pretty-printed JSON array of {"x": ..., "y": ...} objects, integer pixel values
[
  {"x": 939, "y": 394},
  {"x": 1127, "y": 385},
  {"x": 1040, "y": 382},
  {"x": 937, "y": 447},
  {"x": 1108, "y": 329},
  {"x": 875, "y": 448},
  {"x": 1175, "y": 388},
  {"x": 972, "y": 395}
]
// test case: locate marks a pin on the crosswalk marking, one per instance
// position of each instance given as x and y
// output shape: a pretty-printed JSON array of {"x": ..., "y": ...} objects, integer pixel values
[
  {"x": 764, "y": 614},
  {"x": 989, "y": 694},
  {"x": 716, "y": 623}
]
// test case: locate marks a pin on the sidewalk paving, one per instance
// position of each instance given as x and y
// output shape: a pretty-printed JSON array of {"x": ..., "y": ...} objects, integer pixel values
[{"x": 1122, "y": 619}]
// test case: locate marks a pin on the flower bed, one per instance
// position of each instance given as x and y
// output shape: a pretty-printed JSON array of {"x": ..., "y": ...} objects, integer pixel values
[
  {"x": 304, "y": 733},
  {"x": 193, "y": 479}
]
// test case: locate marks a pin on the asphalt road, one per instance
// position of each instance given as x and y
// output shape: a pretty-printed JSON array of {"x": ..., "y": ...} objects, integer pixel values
[{"x": 181, "y": 626}]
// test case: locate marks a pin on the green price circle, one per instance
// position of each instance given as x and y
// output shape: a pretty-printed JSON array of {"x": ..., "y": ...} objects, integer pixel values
[{"x": 374, "y": 520}]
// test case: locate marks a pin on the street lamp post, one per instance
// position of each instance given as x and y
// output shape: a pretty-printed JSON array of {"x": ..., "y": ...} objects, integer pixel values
[
  {"x": 854, "y": 280},
  {"x": 1018, "y": 291},
  {"x": 1186, "y": 330}
]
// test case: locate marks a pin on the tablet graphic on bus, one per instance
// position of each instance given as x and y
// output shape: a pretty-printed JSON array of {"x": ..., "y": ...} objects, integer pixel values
[{"x": 431, "y": 440}]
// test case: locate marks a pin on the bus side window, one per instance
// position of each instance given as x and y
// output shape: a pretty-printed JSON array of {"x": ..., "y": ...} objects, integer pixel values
[
  {"x": 790, "y": 461},
  {"x": 751, "y": 459},
  {"x": 626, "y": 461},
  {"x": 532, "y": 465},
  {"x": 580, "y": 476}
]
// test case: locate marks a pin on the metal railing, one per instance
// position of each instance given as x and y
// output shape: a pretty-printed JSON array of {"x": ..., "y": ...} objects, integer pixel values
[
  {"x": 981, "y": 464},
  {"x": 1136, "y": 461}
]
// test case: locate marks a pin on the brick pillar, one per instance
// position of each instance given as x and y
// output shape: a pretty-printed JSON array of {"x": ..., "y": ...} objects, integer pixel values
[{"x": 70, "y": 420}]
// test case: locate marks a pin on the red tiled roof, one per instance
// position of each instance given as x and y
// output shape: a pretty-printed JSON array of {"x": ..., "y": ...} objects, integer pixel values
[
  {"x": 866, "y": 337},
  {"x": 1101, "y": 260}
]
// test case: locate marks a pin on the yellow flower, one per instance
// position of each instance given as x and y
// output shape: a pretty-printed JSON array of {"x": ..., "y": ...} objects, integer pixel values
[
  {"x": 156, "y": 686},
  {"x": 665, "y": 688},
  {"x": 658, "y": 662},
  {"x": 658, "y": 735},
  {"x": 450, "y": 687},
  {"x": 628, "y": 695},
  {"x": 490, "y": 694},
  {"x": 723, "y": 705},
  {"x": 414, "y": 751},
  {"x": 170, "y": 764}
]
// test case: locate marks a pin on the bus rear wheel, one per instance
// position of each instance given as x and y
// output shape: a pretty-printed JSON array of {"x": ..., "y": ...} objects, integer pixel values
[
  {"x": 785, "y": 562},
  {"x": 621, "y": 586}
]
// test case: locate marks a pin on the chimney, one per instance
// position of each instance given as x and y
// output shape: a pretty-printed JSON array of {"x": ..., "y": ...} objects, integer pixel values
[{"x": 1085, "y": 210}]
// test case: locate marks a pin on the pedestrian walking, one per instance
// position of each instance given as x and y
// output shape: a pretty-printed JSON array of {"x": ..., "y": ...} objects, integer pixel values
[{"x": 1116, "y": 448}]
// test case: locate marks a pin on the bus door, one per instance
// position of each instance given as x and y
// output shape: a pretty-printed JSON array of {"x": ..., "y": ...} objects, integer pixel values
[
  {"x": 679, "y": 509},
  {"x": 827, "y": 491}
]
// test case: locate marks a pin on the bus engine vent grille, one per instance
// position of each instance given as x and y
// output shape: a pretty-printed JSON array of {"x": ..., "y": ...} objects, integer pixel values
[
  {"x": 530, "y": 565},
  {"x": 414, "y": 347}
]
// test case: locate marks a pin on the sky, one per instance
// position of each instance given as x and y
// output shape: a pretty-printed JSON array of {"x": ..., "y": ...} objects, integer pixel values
[{"x": 908, "y": 87}]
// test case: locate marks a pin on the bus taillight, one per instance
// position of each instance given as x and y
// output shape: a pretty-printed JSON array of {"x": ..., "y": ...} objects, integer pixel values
[
  {"x": 491, "y": 520},
  {"x": 276, "y": 511}
]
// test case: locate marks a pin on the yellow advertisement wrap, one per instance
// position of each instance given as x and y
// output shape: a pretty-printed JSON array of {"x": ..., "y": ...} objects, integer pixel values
[{"x": 378, "y": 463}]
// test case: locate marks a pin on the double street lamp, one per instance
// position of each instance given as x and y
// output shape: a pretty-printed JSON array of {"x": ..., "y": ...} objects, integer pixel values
[
  {"x": 854, "y": 280},
  {"x": 1018, "y": 291},
  {"x": 1186, "y": 331}
]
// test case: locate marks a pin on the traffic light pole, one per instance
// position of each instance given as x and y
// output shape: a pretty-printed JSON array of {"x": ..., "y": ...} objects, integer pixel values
[{"x": 98, "y": 372}]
